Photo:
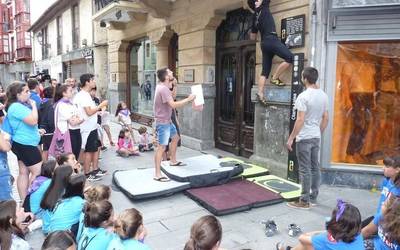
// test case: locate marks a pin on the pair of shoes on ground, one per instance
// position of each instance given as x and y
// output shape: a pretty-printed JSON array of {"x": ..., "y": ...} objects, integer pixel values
[
  {"x": 271, "y": 229},
  {"x": 96, "y": 175},
  {"x": 301, "y": 204}
]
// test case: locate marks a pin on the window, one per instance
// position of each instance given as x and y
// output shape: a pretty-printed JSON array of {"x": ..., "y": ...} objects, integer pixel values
[
  {"x": 147, "y": 50},
  {"x": 359, "y": 3},
  {"x": 59, "y": 36},
  {"x": 366, "y": 114},
  {"x": 12, "y": 55},
  {"x": 45, "y": 45},
  {"x": 75, "y": 26}
]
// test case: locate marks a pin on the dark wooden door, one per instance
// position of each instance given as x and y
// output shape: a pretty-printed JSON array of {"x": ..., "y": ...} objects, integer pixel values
[{"x": 234, "y": 121}]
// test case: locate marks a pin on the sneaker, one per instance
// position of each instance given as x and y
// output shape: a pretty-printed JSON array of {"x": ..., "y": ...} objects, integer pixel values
[
  {"x": 313, "y": 202},
  {"x": 294, "y": 230},
  {"x": 92, "y": 177},
  {"x": 99, "y": 172},
  {"x": 270, "y": 228},
  {"x": 103, "y": 148},
  {"x": 299, "y": 205}
]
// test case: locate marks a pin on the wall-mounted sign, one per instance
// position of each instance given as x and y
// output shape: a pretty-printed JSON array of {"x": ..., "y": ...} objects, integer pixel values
[
  {"x": 188, "y": 75},
  {"x": 297, "y": 88},
  {"x": 362, "y": 3},
  {"x": 293, "y": 31}
]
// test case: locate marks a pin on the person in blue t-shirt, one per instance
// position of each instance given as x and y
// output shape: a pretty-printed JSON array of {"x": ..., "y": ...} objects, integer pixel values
[
  {"x": 97, "y": 234},
  {"x": 38, "y": 188},
  {"x": 343, "y": 232},
  {"x": 5, "y": 175},
  {"x": 385, "y": 227},
  {"x": 22, "y": 116},
  {"x": 389, "y": 186},
  {"x": 131, "y": 231},
  {"x": 34, "y": 89},
  {"x": 53, "y": 194},
  {"x": 93, "y": 194},
  {"x": 67, "y": 211}
]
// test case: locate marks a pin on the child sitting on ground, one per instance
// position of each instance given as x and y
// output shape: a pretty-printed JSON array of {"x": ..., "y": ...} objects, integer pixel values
[
  {"x": 65, "y": 215},
  {"x": 124, "y": 117},
  {"x": 59, "y": 240},
  {"x": 385, "y": 227},
  {"x": 98, "y": 218},
  {"x": 93, "y": 194},
  {"x": 342, "y": 232},
  {"x": 38, "y": 188},
  {"x": 125, "y": 144},
  {"x": 144, "y": 140},
  {"x": 131, "y": 231},
  {"x": 206, "y": 233},
  {"x": 389, "y": 187},
  {"x": 69, "y": 159}
]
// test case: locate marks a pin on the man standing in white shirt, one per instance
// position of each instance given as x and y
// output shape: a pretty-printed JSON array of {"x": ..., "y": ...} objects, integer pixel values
[
  {"x": 90, "y": 139},
  {"x": 312, "y": 119}
]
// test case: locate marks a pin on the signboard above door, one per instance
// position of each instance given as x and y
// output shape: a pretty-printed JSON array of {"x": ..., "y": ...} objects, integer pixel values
[{"x": 362, "y": 3}]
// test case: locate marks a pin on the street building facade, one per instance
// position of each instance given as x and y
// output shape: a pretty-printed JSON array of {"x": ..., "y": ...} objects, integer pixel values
[
  {"x": 15, "y": 42},
  {"x": 354, "y": 45},
  {"x": 62, "y": 38}
]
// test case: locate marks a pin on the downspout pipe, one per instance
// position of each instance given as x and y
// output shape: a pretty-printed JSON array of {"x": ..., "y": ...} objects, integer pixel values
[{"x": 313, "y": 33}]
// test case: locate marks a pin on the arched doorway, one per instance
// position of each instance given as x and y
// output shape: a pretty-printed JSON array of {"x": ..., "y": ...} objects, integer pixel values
[{"x": 235, "y": 68}]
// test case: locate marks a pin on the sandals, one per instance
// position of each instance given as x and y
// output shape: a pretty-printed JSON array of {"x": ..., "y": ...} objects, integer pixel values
[
  {"x": 262, "y": 100},
  {"x": 161, "y": 179},
  {"x": 177, "y": 164},
  {"x": 277, "y": 82}
]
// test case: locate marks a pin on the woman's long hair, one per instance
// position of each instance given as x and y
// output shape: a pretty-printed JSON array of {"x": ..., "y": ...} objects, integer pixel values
[
  {"x": 391, "y": 220},
  {"x": 75, "y": 186},
  {"x": 57, "y": 187},
  {"x": 12, "y": 91},
  {"x": 58, "y": 94},
  {"x": 8, "y": 213},
  {"x": 119, "y": 108}
]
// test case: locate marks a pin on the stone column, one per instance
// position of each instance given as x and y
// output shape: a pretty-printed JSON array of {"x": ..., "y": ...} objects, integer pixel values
[
  {"x": 117, "y": 86},
  {"x": 197, "y": 40}
]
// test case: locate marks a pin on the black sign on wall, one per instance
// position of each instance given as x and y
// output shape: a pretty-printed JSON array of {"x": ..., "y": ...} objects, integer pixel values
[
  {"x": 297, "y": 88},
  {"x": 293, "y": 31}
]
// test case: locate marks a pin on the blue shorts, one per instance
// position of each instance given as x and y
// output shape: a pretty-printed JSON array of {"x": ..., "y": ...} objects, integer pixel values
[
  {"x": 5, "y": 181},
  {"x": 164, "y": 132}
]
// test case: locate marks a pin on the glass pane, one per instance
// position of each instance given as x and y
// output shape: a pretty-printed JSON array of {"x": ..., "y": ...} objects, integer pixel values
[
  {"x": 142, "y": 78},
  {"x": 366, "y": 114},
  {"x": 250, "y": 68},
  {"x": 358, "y": 3},
  {"x": 228, "y": 88}
]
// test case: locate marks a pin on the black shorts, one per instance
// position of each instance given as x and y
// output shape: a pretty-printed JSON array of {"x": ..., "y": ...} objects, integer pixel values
[
  {"x": 76, "y": 141},
  {"x": 271, "y": 46},
  {"x": 92, "y": 143},
  {"x": 46, "y": 139},
  {"x": 29, "y": 155}
]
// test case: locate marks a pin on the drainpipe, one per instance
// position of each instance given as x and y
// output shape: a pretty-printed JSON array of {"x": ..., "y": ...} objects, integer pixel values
[{"x": 313, "y": 33}]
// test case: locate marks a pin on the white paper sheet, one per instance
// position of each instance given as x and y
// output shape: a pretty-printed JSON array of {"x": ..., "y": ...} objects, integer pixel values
[{"x": 197, "y": 90}]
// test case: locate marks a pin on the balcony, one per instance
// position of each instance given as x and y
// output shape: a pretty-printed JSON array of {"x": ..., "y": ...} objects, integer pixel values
[
  {"x": 118, "y": 13},
  {"x": 24, "y": 54}
]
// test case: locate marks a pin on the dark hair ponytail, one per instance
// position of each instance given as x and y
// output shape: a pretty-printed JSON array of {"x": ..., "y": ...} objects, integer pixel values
[
  {"x": 96, "y": 213},
  {"x": 205, "y": 234}
]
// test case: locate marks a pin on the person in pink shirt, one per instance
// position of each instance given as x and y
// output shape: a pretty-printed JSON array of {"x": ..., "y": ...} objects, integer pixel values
[
  {"x": 163, "y": 105},
  {"x": 126, "y": 146}
]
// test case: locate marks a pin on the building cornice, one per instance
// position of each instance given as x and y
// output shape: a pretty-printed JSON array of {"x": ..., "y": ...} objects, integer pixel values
[{"x": 50, "y": 13}]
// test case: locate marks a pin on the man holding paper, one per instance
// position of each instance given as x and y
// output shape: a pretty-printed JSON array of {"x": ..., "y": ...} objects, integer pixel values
[{"x": 163, "y": 105}]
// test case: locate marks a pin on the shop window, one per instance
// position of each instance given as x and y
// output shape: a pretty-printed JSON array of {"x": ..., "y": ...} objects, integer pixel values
[
  {"x": 142, "y": 77},
  {"x": 362, "y": 3},
  {"x": 366, "y": 114}
]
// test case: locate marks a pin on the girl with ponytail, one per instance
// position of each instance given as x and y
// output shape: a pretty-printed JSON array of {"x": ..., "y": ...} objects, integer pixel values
[
  {"x": 131, "y": 231},
  {"x": 98, "y": 218},
  {"x": 205, "y": 234}
]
